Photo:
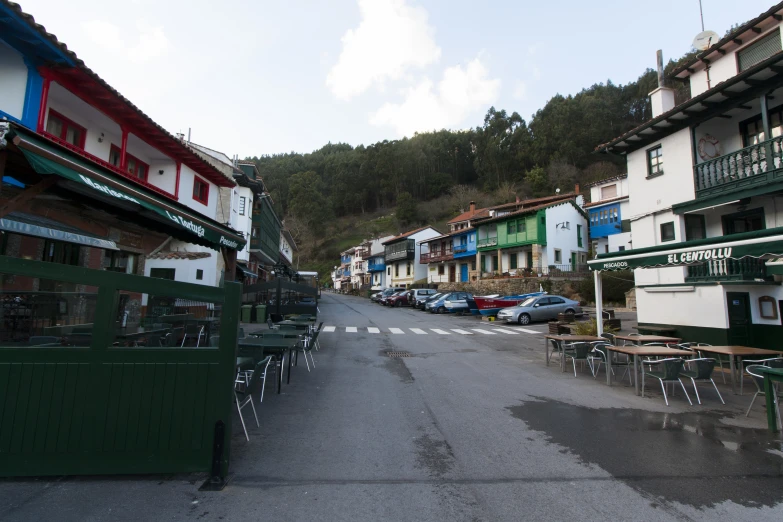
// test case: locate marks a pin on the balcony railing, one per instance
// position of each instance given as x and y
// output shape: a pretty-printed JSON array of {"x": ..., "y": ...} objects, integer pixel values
[
  {"x": 745, "y": 269},
  {"x": 440, "y": 255},
  {"x": 739, "y": 169},
  {"x": 401, "y": 254},
  {"x": 487, "y": 242},
  {"x": 376, "y": 267},
  {"x": 459, "y": 249}
]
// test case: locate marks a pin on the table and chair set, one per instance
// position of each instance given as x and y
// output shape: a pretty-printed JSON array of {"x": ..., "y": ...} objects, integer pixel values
[
  {"x": 268, "y": 350},
  {"x": 669, "y": 360}
]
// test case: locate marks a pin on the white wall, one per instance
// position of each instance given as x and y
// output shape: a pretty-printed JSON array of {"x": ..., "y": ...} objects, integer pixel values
[
  {"x": 622, "y": 189},
  {"x": 565, "y": 240},
  {"x": 615, "y": 241},
  {"x": 185, "y": 270},
  {"x": 186, "y": 179},
  {"x": 13, "y": 81},
  {"x": 704, "y": 305}
]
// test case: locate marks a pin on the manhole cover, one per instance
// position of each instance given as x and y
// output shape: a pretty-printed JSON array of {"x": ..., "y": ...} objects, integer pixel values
[{"x": 398, "y": 354}]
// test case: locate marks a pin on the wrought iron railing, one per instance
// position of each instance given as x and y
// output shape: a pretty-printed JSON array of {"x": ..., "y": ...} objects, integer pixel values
[
  {"x": 401, "y": 254},
  {"x": 459, "y": 249},
  {"x": 745, "y": 269},
  {"x": 487, "y": 242},
  {"x": 440, "y": 255},
  {"x": 739, "y": 165}
]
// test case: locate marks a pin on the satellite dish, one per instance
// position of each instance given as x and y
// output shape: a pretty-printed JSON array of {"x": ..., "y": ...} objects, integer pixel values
[
  {"x": 557, "y": 191},
  {"x": 704, "y": 40}
]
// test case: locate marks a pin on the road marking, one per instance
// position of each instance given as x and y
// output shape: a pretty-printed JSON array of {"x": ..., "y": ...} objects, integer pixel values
[
  {"x": 350, "y": 329},
  {"x": 463, "y": 332},
  {"x": 329, "y": 328},
  {"x": 510, "y": 332},
  {"x": 528, "y": 331},
  {"x": 485, "y": 332},
  {"x": 396, "y": 330},
  {"x": 418, "y": 331},
  {"x": 438, "y": 331},
  {"x": 373, "y": 329}
]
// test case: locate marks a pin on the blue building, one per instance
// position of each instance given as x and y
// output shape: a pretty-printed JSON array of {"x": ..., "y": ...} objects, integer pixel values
[
  {"x": 464, "y": 242},
  {"x": 608, "y": 213}
]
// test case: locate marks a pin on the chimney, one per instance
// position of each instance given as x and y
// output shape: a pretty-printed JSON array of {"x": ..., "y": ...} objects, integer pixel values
[
  {"x": 576, "y": 188},
  {"x": 517, "y": 199},
  {"x": 662, "y": 98},
  {"x": 472, "y": 207}
]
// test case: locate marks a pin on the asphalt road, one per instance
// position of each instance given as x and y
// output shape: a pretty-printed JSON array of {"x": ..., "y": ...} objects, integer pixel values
[{"x": 472, "y": 426}]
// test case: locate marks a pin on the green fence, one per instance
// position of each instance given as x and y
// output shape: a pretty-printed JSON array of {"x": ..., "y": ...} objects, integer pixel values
[{"x": 109, "y": 387}]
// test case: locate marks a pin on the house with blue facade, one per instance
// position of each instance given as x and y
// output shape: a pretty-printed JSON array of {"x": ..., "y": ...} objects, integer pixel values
[
  {"x": 452, "y": 257},
  {"x": 608, "y": 212},
  {"x": 376, "y": 264},
  {"x": 342, "y": 273}
]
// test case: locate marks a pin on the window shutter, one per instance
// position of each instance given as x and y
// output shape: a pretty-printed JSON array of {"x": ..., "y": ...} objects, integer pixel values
[{"x": 759, "y": 51}]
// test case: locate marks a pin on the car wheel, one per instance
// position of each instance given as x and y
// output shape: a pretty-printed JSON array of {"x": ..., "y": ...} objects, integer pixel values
[
  {"x": 398, "y": 304},
  {"x": 442, "y": 310},
  {"x": 524, "y": 319},
  {"x": 570, "y": 311}
]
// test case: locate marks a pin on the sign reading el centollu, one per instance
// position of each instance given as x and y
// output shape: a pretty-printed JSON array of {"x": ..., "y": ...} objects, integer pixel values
[{"x": 696, "y": 256}]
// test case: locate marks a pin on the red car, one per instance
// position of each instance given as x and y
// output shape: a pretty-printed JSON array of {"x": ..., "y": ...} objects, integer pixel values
[{"x": 398, "y": 299}]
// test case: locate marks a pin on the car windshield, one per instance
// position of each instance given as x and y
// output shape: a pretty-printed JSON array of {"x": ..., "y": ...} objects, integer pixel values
[{"x": 528, "y": 302}]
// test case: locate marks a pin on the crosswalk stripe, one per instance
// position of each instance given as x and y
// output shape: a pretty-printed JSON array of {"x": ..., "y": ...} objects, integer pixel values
[
  {"x": 396, "y": 330},
  {"x": 485, "y": 332},
  {"x": 528, "y": 331},
  {"x": 350, "y": 329},
  {"x": 373, "y": 329},
  {"x": 439, "y": 331},
  {"x": 418, "y": 331},
  {"x": 509, "y": 332},
  {"x": 329, "y": 328},
  {"x": 463, "y": 332}
]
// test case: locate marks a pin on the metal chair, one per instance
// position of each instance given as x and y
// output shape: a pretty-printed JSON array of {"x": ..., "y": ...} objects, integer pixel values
[
  {"x": 599, "y": 354},
  {"x": 193, "y": 331},
  {"x": 272, "y": 325},
  {"x": 758, "y": 379},
  {"x": 306, "y": 347},
  {"x": 772, "y": 362},
  {"x": 556, "y": 347},
  {"x": 578, "y": 352},
  {"x": 243, "y": 393},
  {"x": 703, "y": 372},
  {"x": 214, "y": 340},
  {"x": 609, "y": 337},
  {"x": 718, "y": 359},
  {"x": 672, "y": 368},
  {"x": 626, "y": 343},
  {"x": 315, "y": 331}
]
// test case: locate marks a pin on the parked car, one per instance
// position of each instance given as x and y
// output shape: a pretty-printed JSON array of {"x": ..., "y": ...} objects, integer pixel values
[
  {"x": 398, "y": 299},
  {"x": 419, "y": 294},
  {"x": 385, "y": 299},
  {"x": 457, "y": 302},
  {"x": 421, "y": 303},
  {"x": 385, "y": 293},
  {"x": 541, "y": 308},
  {"x": 438, "y": 306}
]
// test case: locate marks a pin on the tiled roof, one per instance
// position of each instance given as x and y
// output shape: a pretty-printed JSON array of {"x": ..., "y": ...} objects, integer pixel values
[
  {"x": 406, "y": 234},
  {"x": 607, "y": 180},
  {"x": 530, "y": 210},
  {"x": 180, "y": 255},
  {"x": 205, "y": 166},
  {"x": 470, "y": 214},
  {"x": 450, "y": 234},
  {"x": 605, "y": 201}
]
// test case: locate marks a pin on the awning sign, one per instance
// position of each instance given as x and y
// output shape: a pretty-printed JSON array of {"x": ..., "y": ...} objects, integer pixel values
[{"x": 699, "y": 255}]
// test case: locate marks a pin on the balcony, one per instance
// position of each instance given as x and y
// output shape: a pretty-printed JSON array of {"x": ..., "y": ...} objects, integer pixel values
[
  {"x": 745, "y": 269},
  {"x": 400, "y": 255},
  {"x": 433, "y": 257},
  {"x": 487, "y": 242},
  {"x": 376, "y": 267},
  {"x": 750, "y": 167},
  {"x": 460, "y": 249}
]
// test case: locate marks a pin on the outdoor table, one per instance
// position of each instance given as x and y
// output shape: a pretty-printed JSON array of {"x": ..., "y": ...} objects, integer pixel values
[
  {"x": 311, "y": 318},
  {"x": 569, "y": 339},
  {"x": 657, "y": 330},
  {"x": 648, "y": 338},
  {"x": 771, "y": 375},
  {"x": 277, "y": 346},
  {"x": 300, "y": 325},
  {"x": 132, "y": 334},
  {"x": 737, "y": 352},
  {"x": 647, "y": 351},
  {"x": 287, "y": 334}
]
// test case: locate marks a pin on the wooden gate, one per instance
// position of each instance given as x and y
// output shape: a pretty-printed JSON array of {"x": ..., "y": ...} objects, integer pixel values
[{"x": 110, "y": 388}]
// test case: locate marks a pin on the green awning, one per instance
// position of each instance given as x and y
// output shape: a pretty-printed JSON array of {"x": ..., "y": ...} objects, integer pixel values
[
  {"x": 763, "y": 243},
  {"x": 39, "y": 226},
  {"x": 47, "y": 159}
]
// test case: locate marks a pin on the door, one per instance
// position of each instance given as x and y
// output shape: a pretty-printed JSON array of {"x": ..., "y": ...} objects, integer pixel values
[
  {"x": 573, "y": 261},
  {"x": 738, "y": 304},
  {"x": 540, "y": 310},
  {"x": 452, "y": 273},
  {"x": 463, "y": 272},
  {"x": 530, "y": 259}
]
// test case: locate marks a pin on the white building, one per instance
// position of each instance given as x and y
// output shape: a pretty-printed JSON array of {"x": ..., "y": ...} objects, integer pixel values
[
  {"x": 376, "y": 264},
  {"x": 402, "y": 258},
  {"x": 608, "y": 211},
  {"x": 705, "y": 179}
]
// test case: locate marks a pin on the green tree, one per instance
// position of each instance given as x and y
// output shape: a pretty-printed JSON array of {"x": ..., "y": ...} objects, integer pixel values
[
  {"x": 308, "y": 204},
  {"x": 407, "y": 210},
  {"x": 537, "y": 181}
]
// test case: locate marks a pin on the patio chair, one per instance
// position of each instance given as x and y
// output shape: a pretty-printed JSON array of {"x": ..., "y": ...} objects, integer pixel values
[
  {"x": 241, "y": 334},
  {"x": 272, "y": 325},
  {"x": 243, "y": 393},
  {"x": 702, "y": 372},
  {"x": 169, "y": 340},
  {"x": 306, "y": 348},
  {"x": 772, "y": 362},
  {"x": 671, "y": 370},
  {"x": 625, "y": 342},
  {"x": 193, "y": 331},
  {"x": 758, "y": 378},
  {"x": 214, "y": 341},
  {"x": 609, "y": 337},
  {"x": 597, "y": 356},
  {"x": 315, "y": 332},
  {"x": 556, "y": 347},
  {"x": 718, "y": 359},
  {"x": 578, "y": 352}
]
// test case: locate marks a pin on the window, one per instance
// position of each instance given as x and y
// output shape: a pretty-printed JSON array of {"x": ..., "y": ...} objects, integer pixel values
[
  {"x": 747, "y": 221},
  {"x": 621, "y": 249},
  {"x": 667, "y": 231},
  {"x": 558, "y": 257},
  {"x": 521, "y": 226},
  {"x": 654, "y": 162},
  {"x": 200, "y": 190},
  {"x": 511, "y": 227},
  {"x": 759, "y": 51},
  {"x": 242, "y": 203},
  {"x": 408, "y": 269},
  {"x": 163, "y": 273},
  {"x": 694, "y": 227},
  {"x": 388, "y": 271},
  {"x": 136, "y": 167},
  {"x": 473, "y": 265},
  {"x": 441, "y": 270},
  {"x": 255, "y": 232},
  {"x": 60, "y": 252},
  {"x": 494, "y": 263},
  {"x": 512, "y": 261},
  {"x": 556, "y": 300},
  {"x": 199, "y": 274},
  {"x": 609, "y": 192},
  {"x": 117, "y": 261},
  {"x": 65, "y": 129},
  {"x": 752, "y": 129},
  {"x": 579, "y": 236},
  {"x": 396, "y": 270}
]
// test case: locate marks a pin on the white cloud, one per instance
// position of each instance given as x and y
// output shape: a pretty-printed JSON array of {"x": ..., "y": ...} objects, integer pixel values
[
  {"x": 460, "y": 92},
  {"x": 148, "y": 43},
  {"x": 520, "y": 90},
  {"x": 391, "y": 38}
]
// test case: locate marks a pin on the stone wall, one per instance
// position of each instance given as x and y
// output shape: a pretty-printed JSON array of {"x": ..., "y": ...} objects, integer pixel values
[{"x": 513, "y": 286}]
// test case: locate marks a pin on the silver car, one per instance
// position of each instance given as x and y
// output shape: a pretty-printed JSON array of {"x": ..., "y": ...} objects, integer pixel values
[{"x": 541, "y": 308}]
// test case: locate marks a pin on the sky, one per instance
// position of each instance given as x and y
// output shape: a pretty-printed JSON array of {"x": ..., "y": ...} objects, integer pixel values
[{"x": 253, "y": 77}]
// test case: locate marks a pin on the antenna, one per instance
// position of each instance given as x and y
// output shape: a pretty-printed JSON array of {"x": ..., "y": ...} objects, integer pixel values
[{"x": 701, "y": 14}]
